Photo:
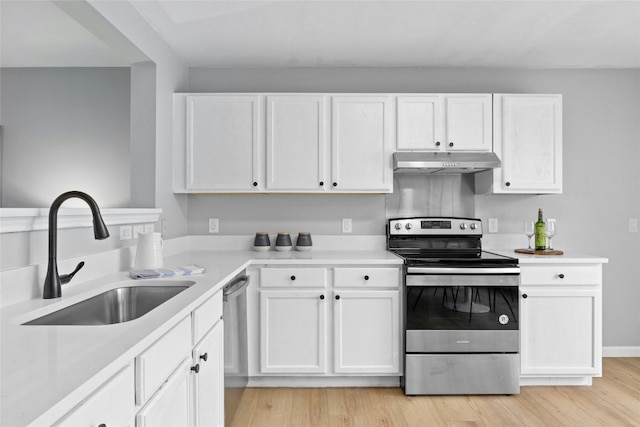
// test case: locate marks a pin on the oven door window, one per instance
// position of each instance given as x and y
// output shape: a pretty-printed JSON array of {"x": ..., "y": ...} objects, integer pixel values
[{"x": 462, "y": 308}]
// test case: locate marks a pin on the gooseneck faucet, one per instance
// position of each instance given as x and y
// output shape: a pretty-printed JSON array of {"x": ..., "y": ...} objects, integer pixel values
[{"x": 52, "y": 282}]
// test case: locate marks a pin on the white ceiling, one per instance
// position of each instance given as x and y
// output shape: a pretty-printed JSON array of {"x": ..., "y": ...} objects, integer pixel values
[{"x": 330, "y": 33}]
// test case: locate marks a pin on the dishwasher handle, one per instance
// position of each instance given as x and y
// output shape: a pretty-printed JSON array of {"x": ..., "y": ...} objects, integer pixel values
[{"x": 235, "y": 288}]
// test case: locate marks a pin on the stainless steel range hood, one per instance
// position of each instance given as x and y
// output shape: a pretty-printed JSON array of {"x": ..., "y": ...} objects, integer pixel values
[{"x": 443, "y": 163}]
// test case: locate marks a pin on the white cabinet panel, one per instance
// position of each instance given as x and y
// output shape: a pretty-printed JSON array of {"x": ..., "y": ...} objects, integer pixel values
[
  {"x": 171, "y": 406},
  {"x": 367, "y": 331},
  {"x": 112, "y": 404},
  {"x": 296, "y": 142},
  {"x": 368, "y": 277},
  {"x": 208, "y": 382},
  {"x": 419, "y": 122},
  {"x": 290, "y": 277},
  {"x": 292, "y": 331},
  {"x": 204, "y": 317},
  {"x": 360, "y": 143},
  {"x": 528, "y": 140},
  {"x": 468, "y": 122},
  {"x": 223, "y": 135}
]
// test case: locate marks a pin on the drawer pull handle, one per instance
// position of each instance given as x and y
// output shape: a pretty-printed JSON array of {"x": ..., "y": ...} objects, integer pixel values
[
  {"x": 524, "y": 296},
  {"x": 196, "y": 368},
  {"x": 337, "y": 296},
  {"x": 321, "y": 296},
  {"x": 293, "y": 277},
  {"x": 561, "y": 276},
  {"x": 204, "y": 356},
  {"x": 366, "y": 277}
]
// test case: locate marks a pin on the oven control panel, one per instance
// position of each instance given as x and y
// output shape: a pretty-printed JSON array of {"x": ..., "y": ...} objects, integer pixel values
[{"x": 436, "y": 226}]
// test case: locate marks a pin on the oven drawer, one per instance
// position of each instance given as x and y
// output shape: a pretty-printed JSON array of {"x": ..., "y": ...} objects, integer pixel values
[
  {"x": 287, "y": 277},
  {"x": 462, "y": 374},
  {"x": 561, "y": 274},
  {"x": 367, "y": 277}
]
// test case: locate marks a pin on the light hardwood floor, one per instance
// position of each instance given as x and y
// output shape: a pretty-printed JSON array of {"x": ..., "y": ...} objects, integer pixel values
[{"x": 613, "y": 400}]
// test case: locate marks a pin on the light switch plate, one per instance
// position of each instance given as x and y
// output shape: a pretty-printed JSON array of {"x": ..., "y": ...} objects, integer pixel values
[
  {"x": 633, "y": 225},
  {"x": 126, "y": 232},
  {"x": 347, "y": 225},
  {"x": 149, "y": 228},
  {"x": 493, "y": 225},
  {"x": 138, "y": 228}
]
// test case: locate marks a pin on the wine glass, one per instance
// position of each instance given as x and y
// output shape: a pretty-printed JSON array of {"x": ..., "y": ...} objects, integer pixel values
[
  {"x": 551, "y": 231},
  {"x": 529, "y": 231}
]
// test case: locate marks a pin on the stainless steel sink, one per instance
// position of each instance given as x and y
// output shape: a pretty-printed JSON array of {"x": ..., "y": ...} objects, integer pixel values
[{"x": 114, "y": 306}]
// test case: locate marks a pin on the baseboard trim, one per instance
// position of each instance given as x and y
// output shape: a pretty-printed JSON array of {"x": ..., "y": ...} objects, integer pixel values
[{"x": 621, "y": 351}]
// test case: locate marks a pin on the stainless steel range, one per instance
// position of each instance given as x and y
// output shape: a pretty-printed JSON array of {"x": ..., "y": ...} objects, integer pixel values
[{"x": 461, "y": 317}]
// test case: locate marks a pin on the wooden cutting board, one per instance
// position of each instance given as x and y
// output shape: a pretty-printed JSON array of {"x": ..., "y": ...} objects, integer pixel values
[{"x": 537, "y": 252}]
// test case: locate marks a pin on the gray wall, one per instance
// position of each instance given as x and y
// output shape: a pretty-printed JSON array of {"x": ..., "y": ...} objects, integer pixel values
[
  {"x": 601, "y": 174},
  {"x": 65, "y": 129}
]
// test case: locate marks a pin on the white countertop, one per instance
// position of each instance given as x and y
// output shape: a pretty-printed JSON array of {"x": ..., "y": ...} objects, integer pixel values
[
  {"x": 47, "y": 370},
  {"x": 567, "y": 257}
]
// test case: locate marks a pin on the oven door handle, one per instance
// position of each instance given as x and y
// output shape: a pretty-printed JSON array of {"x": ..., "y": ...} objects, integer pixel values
[{"x": 462, "y": 270}]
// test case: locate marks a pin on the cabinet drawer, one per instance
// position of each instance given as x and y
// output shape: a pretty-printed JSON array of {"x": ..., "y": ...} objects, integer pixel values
[
  {"x": 289, "y": 277},
  {"x": 111, "y": 404},
  {"x": 561, "y": 274},
  {"x": 205, "y": 316},
  {"x": 367, "y": 277},
  {"x": 157, "y": 362}
]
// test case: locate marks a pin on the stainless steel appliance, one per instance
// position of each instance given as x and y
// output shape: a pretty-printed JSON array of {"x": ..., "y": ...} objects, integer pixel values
[
  {"x": 236, "y": 361},
  {"x": 461, "y": 316}
]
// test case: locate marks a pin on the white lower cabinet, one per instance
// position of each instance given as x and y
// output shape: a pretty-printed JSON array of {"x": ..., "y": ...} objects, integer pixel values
[
  {"x": 366, "y": 332},
  {"x": 354, "y": 316},
  {"x": 111, "y": 405},
  {"x": 561, "y": 318},
  {"x": 293, "y": 331},
  {"x": 171, "y": 406},
  {"x": 208, "y": 382}
]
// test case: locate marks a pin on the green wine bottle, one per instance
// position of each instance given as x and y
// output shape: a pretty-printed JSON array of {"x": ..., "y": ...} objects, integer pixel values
[{"x": 541, "y": 232}]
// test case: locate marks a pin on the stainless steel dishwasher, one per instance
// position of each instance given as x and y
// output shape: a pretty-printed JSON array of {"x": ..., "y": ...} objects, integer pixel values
[{"x": 236, "y": 366}]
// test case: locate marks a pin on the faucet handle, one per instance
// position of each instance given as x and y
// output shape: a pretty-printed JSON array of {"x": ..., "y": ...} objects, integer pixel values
[{"x": 66, "y": 278}]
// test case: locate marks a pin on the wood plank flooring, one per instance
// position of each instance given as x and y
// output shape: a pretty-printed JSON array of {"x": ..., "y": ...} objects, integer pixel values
[{"x": 613, "y": 400}]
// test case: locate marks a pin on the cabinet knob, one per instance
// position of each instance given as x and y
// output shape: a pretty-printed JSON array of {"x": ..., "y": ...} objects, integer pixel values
[
  {"x": 337, "y": 296},
  {"x": 507, "y": 183},
  {"x": 255, "y": 184},
  {"x": 321, "y": 183},
  {"x": 335, "y": 184},
  {"x": 321, "y": 296},
  {"x": 561, "y": 276},
  {"x": 524, "y": 296},
  {"x": 451, "y": 144},
  {"x": 366, "y": 277},
  {"x": 196, "y": 368},
  {"x": 204, "y": 356},
  {"x": 293, "y": 277},
  {"x": 437, "y": 143}
]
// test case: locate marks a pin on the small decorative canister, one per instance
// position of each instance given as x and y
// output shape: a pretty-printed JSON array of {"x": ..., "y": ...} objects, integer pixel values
[
  {"x": 283, "y": 242},
  {"x": 262, "y": 243},
  {"x": 304, "y": 241}
]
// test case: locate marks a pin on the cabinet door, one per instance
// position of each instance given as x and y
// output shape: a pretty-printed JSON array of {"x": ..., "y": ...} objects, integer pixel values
[
  {"x": 528, "y": 140},
  {"x": 171, "y": 406},
  {"x": 560, "y": 333},
  {"x": 112, "y": 404},
  {"x": 419, "y": 123},
  {"x": 208, "y": 382},
  {"x": 292, "y": 331},
  {"x": 223, "y": 137},
  {"x": 296, "y": 142},
  {"x": 468, "y": 122},
  {"x": 360, "y": 143},
  {"x": 367, "y": 332}
]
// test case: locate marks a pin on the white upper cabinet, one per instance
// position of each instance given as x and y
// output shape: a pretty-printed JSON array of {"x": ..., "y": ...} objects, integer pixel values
[
  {"x": 444, "y": 122},
  {"x": 296, "y": 142},
  {"x": 528, "y": 140},
  {"x": 223, "y": 136},
  {"x": 360, "y": 143}
]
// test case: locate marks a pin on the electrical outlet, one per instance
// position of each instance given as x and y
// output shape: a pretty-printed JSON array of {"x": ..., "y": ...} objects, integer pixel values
[
  {"x": 347, "y": 225},
  {"x": 139, "y": 228},
  {"x": 126, "y": 232},
  {"x": 214, "y": 225},
  {"x": 149, "y": 228},
  {"x": 633, "y": 225},
  {"x": 493, "y": 225}
]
